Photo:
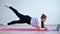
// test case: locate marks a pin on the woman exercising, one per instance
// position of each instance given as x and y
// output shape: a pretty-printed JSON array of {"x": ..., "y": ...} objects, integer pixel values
[{"x": 27, "y": 19}]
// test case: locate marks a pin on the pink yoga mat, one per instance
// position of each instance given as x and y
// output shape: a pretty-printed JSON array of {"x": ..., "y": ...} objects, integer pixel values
[{"x": 21, "y": 29}]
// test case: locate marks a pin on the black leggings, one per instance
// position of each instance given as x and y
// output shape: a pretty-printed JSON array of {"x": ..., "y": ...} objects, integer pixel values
[{"x": 22, "y": 18}]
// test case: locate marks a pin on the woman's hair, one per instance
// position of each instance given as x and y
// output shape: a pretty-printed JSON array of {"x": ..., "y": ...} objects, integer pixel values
[{"x": 43, "y": 16}]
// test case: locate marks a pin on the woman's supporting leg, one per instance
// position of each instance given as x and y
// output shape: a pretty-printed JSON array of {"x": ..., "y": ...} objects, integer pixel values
[{"x": 15, "y": 22}]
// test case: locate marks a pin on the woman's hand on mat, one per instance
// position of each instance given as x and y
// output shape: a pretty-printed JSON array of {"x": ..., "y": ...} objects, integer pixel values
[{"x": 41, "y": 28}]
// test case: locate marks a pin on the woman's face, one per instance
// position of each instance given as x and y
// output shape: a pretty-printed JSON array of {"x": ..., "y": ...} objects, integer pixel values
[{"x": 44, "y": 19}]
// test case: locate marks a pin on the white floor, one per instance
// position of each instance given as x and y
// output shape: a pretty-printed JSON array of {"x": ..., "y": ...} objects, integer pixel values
[{"x": 29, "y": 32}]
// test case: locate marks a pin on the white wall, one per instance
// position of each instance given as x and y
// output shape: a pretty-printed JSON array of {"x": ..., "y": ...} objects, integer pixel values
[{"x": 34, "y": 8}]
